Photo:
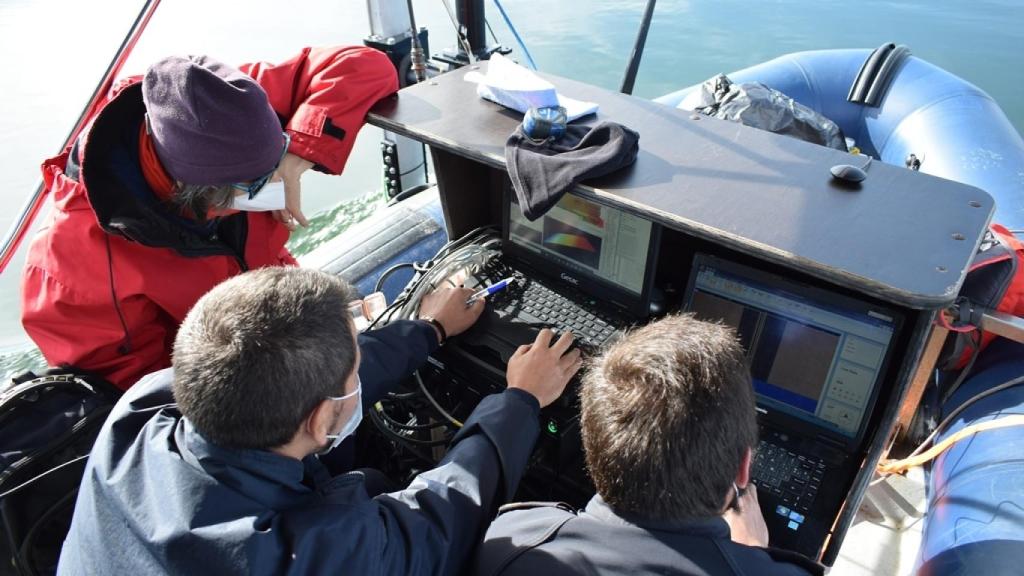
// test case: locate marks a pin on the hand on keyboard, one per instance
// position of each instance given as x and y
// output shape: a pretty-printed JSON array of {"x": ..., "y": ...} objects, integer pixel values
[
  {"x": 542, "y": 368},
  {"x": 526, "y": 332}
]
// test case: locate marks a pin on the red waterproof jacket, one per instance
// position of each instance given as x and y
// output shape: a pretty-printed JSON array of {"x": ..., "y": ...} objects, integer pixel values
[{"x": 113, "y": 271}]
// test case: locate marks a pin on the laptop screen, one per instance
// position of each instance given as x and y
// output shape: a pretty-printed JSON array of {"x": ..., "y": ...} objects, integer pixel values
[
  {"x": 813, "y": 354},
  {"x": 587, "y": 239}
]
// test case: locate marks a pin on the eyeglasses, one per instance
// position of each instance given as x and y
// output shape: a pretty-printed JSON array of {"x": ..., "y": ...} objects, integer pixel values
[{"x": 253, "y": 188}]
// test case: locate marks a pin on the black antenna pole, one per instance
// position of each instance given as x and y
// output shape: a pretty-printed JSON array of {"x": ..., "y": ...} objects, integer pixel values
[
  {"x": 638, "y": 49},
  {"x": 470, "y": 14}
]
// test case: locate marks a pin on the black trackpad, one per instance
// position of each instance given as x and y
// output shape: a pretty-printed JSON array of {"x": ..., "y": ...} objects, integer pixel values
[{"x": 500, "y": 335}]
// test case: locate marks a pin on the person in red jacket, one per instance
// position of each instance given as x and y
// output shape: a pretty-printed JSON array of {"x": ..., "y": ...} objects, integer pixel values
[{"x": 183, "y": 178}]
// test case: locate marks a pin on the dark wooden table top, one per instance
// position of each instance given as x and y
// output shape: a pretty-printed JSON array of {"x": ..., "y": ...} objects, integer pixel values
[{"x": 901, "y": 236}]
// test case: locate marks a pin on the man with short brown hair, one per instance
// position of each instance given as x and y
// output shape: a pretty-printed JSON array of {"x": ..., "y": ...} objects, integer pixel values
[
  {"x": 669, "y": 427},
  {"x": 211, "y": 466}
]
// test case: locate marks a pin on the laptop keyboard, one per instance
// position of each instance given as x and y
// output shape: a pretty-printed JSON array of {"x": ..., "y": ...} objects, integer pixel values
[
  {"x": 793, "y": 478},
  {"x": 534, "y": 303}
]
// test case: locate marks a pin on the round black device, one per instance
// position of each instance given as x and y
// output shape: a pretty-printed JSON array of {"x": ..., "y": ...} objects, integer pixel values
[{"x": 848, "y": 173}]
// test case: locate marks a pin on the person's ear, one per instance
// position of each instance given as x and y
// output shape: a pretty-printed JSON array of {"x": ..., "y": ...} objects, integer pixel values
[
  {"x": 318, "y": 424},
  {"x": 743, "y": 475}
]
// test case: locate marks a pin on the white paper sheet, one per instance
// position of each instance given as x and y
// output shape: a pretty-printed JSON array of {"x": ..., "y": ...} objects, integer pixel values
[{"x": 516, "y": 87}]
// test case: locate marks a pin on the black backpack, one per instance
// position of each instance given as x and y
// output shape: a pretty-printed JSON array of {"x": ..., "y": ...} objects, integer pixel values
[{"x": 47, "y": 428}]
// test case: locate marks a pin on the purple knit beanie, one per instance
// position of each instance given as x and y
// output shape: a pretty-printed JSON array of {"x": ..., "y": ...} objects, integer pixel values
[{"x": 211, "y": 123}]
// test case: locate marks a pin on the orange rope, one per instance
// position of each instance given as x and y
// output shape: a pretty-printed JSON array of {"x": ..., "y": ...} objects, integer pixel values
[{"x": 901, "y": 466}]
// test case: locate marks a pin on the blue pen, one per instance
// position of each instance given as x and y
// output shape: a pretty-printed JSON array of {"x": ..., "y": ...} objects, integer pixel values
[{"x": 496, "y": 287}]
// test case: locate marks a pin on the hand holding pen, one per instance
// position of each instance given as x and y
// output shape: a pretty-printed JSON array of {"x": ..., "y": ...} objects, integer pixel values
[{"x": 492, "y": 289}]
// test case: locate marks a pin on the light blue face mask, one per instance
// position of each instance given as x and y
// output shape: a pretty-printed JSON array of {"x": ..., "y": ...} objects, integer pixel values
[{"x": 353, "y": 422}]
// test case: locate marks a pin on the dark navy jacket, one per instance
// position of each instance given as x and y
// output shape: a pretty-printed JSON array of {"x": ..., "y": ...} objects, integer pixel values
[
  {"x": 157, "y": 497},
  {"x": 550, "y": 539}
]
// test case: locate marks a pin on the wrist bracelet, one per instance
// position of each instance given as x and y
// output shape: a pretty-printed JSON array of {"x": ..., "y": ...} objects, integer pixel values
[{"x": 438, "y": 326}]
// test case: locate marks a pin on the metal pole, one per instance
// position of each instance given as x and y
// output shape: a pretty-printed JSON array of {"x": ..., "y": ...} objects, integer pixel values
[
  {"x": 470, "y": 14},
  {"x": 416, "y": 53},
  {"x": 1002, "y": 324},
  {"x": 638, "y": 49},
  {"x": 31, "y": 208}
]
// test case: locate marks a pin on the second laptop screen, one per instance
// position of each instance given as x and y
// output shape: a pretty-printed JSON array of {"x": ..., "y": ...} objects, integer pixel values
[{"x": 817, "y": 360}]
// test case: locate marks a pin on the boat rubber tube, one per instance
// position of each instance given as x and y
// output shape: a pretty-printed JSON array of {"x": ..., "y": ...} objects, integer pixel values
[
  {"x": 975, "y": 518},
  {"x": 411, "y": 231},
  {"x": 955, "y": 129}
]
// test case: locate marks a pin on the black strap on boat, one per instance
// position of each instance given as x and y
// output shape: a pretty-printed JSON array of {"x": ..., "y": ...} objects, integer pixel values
[
  {"x": 876, "y": 74},
  {"x": 867, "y": 72},
  {"x": 886, "y": 72}
]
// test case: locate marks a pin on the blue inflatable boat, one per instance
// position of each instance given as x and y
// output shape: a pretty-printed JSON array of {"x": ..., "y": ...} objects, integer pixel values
[
  {"x": 895, "y": 105},
  {"x": 975, "y": 521},
  {"x": 903, "y": 111}
]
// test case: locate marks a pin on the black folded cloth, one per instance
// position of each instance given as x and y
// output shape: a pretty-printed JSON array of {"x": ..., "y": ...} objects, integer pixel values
[{"x": 542, "y": 171}]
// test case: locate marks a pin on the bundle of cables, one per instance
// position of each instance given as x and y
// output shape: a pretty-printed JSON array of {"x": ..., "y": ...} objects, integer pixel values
[{"x": 413, "y": 417}]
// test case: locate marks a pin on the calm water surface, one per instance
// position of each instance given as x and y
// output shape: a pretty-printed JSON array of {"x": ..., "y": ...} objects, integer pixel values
[{"x": 55, "y": 50}]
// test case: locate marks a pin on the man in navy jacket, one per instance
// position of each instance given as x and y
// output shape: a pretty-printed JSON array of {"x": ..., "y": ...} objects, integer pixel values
[
  {"x": 668, "y": 425},
  {"x": 210, "y": 467}
]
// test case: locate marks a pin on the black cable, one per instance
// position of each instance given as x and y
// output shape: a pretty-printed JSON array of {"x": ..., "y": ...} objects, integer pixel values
[
  {"x": 126, "y": 342},
  {"x": 413, "y": 169},
  {"x": 426, "y": 266},
  {"x": 976, "y": 340},
  {"x": 463, "y": 40},
  {"x": 491, "y": 30},
  {"x": 409, "y": 193},
  {"x": 384, "y": 275},
  {"x": 443, "y": 252},
  {"x": 391, "y": 422},
  {"x": 389, "y": 311},
  {"x": 465, "y": 239},
  {"x": 403, "y": 395},
  {"x": 979, "y": 396},
  {"x": 387, "y": 431},
  {"x": 437, "y": 406},
  {"x": 399, "y": 440}
]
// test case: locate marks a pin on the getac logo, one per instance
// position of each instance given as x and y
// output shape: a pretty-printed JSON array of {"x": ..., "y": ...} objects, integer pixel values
[{"x": 570, "y": 279}]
